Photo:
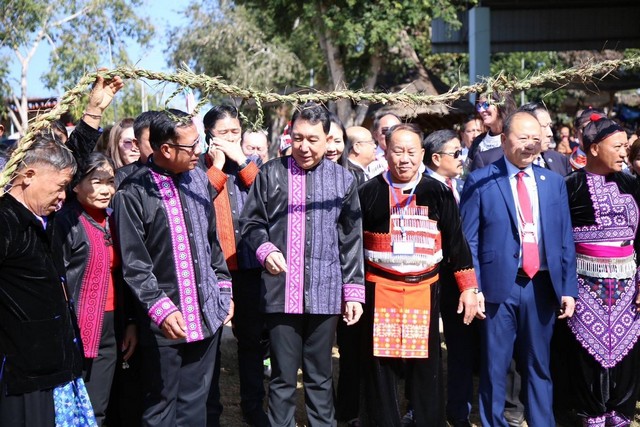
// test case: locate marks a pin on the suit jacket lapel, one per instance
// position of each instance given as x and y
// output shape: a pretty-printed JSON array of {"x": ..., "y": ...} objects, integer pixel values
[
  {"x": 543, "y": 193},
  {"x": 502, "y": 179}
]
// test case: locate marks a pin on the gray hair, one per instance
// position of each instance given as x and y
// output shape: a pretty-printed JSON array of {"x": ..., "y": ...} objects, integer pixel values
[{"x": 47, "y": 150}]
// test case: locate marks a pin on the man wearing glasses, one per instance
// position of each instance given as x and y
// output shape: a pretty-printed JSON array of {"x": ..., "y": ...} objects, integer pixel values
[
  {"x": 362, "y": 152},
  {"x": 173, "y": 264},
  {"x": 444, "y": 160}
]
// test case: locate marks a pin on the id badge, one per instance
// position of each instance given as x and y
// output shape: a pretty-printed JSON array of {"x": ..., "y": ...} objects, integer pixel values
[{"x": 403, "y": 247}]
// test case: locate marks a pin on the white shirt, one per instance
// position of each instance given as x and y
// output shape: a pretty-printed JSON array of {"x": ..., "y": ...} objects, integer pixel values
[
  {"x": 443, "y": 179},
  {"x": 490, "y": 141},
  {"x": 532, "y": 188}
]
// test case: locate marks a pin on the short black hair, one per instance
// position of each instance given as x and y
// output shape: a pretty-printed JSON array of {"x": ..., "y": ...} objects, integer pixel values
[
  {"x": 411, "y": 127},
  {"x": 532, "y": 107},
  {"x": 313, "y": 113},
  {"x": 434, "y": 142},
  {"x": 162, "y": 127},
  {"x": 142, "y": 122},
  {"x": 219, "y": 112}
]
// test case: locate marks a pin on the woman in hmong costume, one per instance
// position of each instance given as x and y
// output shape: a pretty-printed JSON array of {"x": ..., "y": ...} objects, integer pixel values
[
  {"x": 605, "y": 327},
  {"x": 411, "y": 224}
]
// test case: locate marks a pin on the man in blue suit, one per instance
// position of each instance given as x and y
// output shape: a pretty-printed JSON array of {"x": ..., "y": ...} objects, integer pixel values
[{"x": 516, "y": 219}]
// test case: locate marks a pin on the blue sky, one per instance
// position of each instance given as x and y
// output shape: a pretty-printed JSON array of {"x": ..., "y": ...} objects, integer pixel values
[{"x": 162, "y": 14}]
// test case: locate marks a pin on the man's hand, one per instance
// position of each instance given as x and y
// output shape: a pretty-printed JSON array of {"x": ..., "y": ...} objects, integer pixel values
[
  {"x": 275, "y": 263},
  {"x": 217, "y": 157},
  {"x": 469, "y": 303},
  {"x": 481, "y": 308},
  {"x": 232, "y": 150},
  {"x": 174, "y": 327},
  {"x": 352, "y": 312},
  {"x": 567, "y": 307},
  {"x": 638, "y": 301},
  {"x": 129, "y": 341},
  {"x": 232, "y": 308}
]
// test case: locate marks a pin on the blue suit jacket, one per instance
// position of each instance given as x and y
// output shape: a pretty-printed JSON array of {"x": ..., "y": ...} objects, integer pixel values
[{"x": 489, "y": 223}]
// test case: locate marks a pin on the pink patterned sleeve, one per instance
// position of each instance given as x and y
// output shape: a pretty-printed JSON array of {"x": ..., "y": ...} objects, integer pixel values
[
  {"x": 264, "y": 250},
  {"x": 353, "y": 292},
  {"x": 161, "y": 309}
]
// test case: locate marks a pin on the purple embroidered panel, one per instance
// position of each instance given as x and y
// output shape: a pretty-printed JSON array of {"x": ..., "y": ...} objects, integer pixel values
[
  {"x": 224, "y": 284},
  {"x": 294, "y": 287},
  {"x": 182, "y": 256},
  {"x": 616, "y": 214},
  {"x": 328, "y": 184},
  {"x": 353, "y": 292},
  {"x": 605, "y": 320},
  {"x": 161, "y": 309},
  {"x": 264, "y": 250}
]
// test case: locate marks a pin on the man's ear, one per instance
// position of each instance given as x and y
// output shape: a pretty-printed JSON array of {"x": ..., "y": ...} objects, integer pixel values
[
  {"x": 165, "y": 151},
  {"x": 28, "y": 175}
]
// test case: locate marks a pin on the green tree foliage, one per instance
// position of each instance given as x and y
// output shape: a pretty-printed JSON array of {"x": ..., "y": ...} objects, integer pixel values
[
  {"x": 82, "y": 34},
  {"x": 226, "y": 40},
  {"x": 356, "y": 44},
  {"x": 522, "y": 65}
]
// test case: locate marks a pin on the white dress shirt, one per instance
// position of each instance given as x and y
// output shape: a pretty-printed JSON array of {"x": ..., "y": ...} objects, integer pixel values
[{"x": 532, "y": 188}]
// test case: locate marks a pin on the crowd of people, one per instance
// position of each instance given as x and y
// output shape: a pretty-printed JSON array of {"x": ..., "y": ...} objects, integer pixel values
[{"x": 119, "y": 267}]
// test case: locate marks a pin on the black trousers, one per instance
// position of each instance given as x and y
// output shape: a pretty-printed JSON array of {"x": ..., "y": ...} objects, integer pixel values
[
  {"x": 381, "y": 375},
  {"x": 348, "y": 394},
  {"x": 248, "y": 327},
  {"x": 176, "y": 380},
  {"x": 306, "y": 338},
  {"x": 98, "y": 372},
  {"x": 26, "y": 410},
  {"x": 463, "y": 350}
]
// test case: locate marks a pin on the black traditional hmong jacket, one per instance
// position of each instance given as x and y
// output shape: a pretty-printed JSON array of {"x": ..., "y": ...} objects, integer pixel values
[
  {"x": 39, "y": 338},
  {"x": 313, "y": 217},
  {"x": 171, "y": 258}
]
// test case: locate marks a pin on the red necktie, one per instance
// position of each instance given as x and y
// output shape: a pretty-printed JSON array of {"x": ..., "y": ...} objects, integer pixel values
[{"x": 530, "y": 255}]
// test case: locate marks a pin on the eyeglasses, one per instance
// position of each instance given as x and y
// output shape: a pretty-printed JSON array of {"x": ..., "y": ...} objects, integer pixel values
[
  {"x": 483, "y": 106},
  {"x": 455, "y": 154},
  {"x": 190, "y": 148},
  {"x": 383, "y": 131}
]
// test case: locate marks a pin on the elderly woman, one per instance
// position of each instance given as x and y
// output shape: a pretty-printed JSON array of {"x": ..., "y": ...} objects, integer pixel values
[
  {"x": 93, "y": 272},
  {"x": 605, "y": 327}
]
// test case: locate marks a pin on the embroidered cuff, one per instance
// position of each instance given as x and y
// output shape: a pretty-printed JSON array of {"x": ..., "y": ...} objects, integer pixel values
[
  {"x": 161, "y": 309},
  {"x": 264, "y": 250},
  {"x": 217, "y": 178},
  {"x": 466, "y": 279},
  {"x": 225, "y": 286},
  {"x": 248, "y": 174},
  {"x": 352, "y": 292}
]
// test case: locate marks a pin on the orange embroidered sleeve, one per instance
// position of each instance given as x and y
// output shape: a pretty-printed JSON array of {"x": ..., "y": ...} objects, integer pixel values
[
  {"x": 217, "y": 179},
  {"x": 248, "y": 174},
  {"x": 466, "y": 279}
]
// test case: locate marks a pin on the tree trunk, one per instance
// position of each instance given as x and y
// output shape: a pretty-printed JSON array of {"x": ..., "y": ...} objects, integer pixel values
[
  {"x": 375, "y": 65},
  {"x": 409, "y": 53},
  {"x": 336, "y": 67}
]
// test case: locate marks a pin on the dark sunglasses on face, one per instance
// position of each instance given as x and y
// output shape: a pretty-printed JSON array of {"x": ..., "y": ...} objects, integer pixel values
[
  {"x": 455, "y": 154},
  {"x": 482, "y": 106}
]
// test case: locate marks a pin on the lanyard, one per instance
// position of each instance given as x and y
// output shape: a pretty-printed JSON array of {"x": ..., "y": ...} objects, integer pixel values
[{"x": 397, "y": 201}]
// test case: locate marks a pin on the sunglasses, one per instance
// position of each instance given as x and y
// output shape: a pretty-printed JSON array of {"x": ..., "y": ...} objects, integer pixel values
[
  {"x": 483, "y": 106},
  {"x": 455, "y": 154}
]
